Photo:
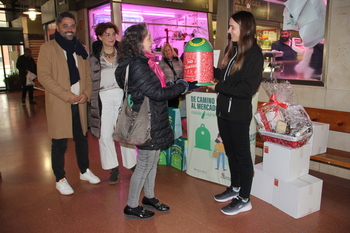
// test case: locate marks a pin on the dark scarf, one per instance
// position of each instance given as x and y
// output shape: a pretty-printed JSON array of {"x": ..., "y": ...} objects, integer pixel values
[{"x": 71, "y": 46}]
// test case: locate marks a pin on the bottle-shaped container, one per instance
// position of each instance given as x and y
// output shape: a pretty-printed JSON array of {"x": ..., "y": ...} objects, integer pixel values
[{"x": 199, "y": 62}]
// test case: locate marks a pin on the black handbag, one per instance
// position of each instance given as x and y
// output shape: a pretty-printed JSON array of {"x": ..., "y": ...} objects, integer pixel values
[{"x": 133, "y": 128}]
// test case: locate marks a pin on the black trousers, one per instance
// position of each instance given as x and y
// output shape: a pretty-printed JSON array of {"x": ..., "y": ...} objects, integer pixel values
[
  {"x": 235, "y": 136},
  {"x": 59, "y": 147},
  {"x": 26, "y": 88}
]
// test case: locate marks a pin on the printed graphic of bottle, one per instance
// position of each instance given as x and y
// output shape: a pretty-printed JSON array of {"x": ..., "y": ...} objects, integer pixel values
[{"x": 199, "y": 62}]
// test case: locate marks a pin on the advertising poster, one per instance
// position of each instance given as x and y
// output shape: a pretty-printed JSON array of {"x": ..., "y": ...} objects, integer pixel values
[{"x": 206, "y": 155}]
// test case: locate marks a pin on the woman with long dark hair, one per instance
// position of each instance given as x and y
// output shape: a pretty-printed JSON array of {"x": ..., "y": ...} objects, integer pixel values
[
  {"x": 238, "y": 81},
  {"x": 145, "y": 78}
]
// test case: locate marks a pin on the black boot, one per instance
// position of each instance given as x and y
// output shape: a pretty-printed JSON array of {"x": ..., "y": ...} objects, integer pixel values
[{"x": 113, "y": 179}]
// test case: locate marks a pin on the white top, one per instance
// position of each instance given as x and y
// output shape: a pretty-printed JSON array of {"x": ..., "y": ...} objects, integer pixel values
[{"x": 108, "y": 80}]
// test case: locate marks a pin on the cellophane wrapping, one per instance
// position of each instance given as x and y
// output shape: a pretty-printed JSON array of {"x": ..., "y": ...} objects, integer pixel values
[{"x": 282, "y": 120}]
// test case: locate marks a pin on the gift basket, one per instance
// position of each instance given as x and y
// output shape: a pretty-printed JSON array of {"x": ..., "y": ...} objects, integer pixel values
[{"x": 282, "y": 120}]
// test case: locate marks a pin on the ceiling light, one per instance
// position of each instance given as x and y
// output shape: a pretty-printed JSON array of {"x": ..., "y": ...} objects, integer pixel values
[
  {"x": 31, "y": 12},
  {"x": 148, "y": 13}
]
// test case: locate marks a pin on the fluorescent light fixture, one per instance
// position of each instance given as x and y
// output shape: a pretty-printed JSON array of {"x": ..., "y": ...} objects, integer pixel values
[
  {"x": 31, "y": 12},
  {"x": 147, "y": 13},
  {"x": 281, "y": 2}
]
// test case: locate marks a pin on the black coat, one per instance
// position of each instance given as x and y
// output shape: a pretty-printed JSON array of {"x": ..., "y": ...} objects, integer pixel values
[
  {"x": 23, "y": 64},
  {"x": 237, "y": 90},
  {"x": 143, "y": 81}
]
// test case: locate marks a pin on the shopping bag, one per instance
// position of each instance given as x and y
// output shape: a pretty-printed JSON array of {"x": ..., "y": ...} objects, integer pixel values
[
  {"x": 164, "y": 156},
  {"x": 179, "y": 154},
  {"x": 175, "y": 121},
  {"x": 30, "y": 77},
  {"x": 215, "y": 154}
]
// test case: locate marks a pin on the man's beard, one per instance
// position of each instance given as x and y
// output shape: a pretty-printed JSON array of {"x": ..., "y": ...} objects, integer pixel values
[{"x": 284, "y": 39}]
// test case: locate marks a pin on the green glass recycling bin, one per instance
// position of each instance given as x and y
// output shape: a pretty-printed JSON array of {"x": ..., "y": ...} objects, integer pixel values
[{"x": 199, "y": 62}]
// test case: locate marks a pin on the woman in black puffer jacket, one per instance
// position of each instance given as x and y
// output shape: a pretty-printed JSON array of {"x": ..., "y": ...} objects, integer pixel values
[{"x": 146, "y": 79}]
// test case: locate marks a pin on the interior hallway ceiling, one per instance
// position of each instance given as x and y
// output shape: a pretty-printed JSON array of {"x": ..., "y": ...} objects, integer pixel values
[{"x": 19, "y": 6}]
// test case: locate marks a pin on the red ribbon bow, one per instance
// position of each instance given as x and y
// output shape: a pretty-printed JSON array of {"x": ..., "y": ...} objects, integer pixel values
[
  {"x": 263, "y": 116},
  {"x": 273, "y": 97}
]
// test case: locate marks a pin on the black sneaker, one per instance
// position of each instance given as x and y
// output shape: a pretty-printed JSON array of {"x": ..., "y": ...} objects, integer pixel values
[
  {"x": 113, "y": 179},
  {"x": 137, "y": 213},
  {"x": 32, "y": 102},
  {"x": 237, "y": 206},
  {"x": 229, "y": 194},
  {"x": 155, "y": 204}
]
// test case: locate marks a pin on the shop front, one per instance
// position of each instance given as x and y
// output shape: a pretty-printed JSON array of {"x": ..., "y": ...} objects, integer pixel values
[
  {"x": 11, "y": 47},
  {"x": 167, "y": 25}
]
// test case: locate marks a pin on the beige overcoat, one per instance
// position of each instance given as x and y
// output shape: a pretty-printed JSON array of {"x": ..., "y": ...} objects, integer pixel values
[{"x": 53, "y": 74}]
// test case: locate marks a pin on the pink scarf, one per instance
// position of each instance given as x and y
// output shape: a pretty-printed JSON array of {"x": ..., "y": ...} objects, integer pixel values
[{"x": 155, "y": 67}]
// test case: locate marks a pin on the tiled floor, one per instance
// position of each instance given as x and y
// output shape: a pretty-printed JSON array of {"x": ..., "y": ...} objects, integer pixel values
[{"x": 29, "y": 201}]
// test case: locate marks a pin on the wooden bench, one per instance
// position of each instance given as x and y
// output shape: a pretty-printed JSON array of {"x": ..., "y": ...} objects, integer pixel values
[{"x": 338, "y": 121}]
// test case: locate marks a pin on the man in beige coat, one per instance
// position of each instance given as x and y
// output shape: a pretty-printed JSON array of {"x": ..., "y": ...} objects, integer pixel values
[{"x": 64, "y": 71}]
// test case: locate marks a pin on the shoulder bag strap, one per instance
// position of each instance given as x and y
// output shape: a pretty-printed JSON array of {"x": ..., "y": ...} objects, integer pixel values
[
  {"x": 126, "y": 90},
  {"x": 126, "y": 79}
]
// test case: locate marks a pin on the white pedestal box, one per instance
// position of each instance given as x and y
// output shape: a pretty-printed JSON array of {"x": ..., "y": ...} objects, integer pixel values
[
  {"x": 262, "y": 186},
  {"x": 284, "y": 162},
  {"x": 319, "y": 138},
  {"x": 298, "y": 197}
]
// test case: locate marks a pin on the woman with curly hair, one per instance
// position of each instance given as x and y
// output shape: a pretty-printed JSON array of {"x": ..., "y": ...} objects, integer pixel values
[
  {"x": 238, "y": 81},
  {"x": 106, "y": 99},
  {"x": 145, "y": 78}
]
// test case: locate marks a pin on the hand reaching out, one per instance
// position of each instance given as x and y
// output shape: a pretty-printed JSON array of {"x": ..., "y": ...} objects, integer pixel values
[{"x": 212, "y": 87}]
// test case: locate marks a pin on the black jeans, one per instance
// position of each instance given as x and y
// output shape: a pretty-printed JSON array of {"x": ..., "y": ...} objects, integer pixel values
[
  {"x": 59, "y": 147},
  {"x": 235, "y": 136},
  {"x": 26, "y": 88}
]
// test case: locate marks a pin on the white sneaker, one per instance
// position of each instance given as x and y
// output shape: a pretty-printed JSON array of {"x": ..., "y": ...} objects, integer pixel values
[
  {"x": 89, "y": 176},
  {"x": 63, "y": 187}
]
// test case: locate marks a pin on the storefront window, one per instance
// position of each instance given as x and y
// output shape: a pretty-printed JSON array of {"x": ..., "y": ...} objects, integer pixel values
[
  {"x": 172, "y": 26},
  {"x": 101, "y": 14},
  {"x": 306, "y": 65}
]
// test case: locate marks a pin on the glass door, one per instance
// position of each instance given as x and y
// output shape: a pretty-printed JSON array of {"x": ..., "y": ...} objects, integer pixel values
[{"x": 9, "y": 77}]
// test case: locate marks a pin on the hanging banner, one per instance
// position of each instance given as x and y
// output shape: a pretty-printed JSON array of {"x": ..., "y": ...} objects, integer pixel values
[{"x": 206, "y": 155}]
